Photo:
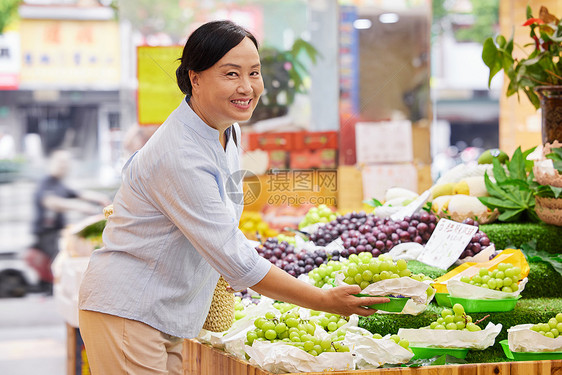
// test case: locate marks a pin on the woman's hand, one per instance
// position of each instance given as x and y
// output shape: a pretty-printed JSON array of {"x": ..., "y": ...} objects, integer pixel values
[{"x": 341, "y": 300}]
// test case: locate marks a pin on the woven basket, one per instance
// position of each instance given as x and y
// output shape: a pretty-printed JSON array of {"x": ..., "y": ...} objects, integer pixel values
[
  {"x": 549, "y": 210},
  {"x": 221, "y": 313}
]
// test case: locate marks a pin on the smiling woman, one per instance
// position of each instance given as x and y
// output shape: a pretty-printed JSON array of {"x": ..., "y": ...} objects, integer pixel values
[{"x": 174, "y": 227}]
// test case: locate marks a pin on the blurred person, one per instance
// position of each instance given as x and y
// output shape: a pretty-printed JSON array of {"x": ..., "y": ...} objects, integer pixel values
[
  {"x": 7, "y": 145},
  {"x": 52, "y": 199},
  {"x": 174, "y": 229}
]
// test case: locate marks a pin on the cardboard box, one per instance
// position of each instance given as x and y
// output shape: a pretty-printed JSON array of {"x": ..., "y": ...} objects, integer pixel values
[
  {"x": 378, "y": 178},
  {"x": 316, "y": 140},
  {"x": 272, "y": 141},
  {"x": 384, "y": 142},
  {"x": 305, "y": 159},
  {"x": 350, "y": 188},
  {"x": 421, "y": 142}
]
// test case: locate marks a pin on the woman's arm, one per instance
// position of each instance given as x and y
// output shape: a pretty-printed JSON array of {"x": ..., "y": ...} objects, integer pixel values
[{"x": 279, "y": 285}]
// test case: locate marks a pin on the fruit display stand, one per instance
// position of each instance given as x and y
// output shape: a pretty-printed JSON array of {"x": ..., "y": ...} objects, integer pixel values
[{"x": 202, "y": 359}]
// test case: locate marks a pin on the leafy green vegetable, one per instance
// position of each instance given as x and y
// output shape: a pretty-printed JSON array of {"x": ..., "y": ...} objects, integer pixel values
[
  {"x": 542, "y": 256},
  {"x": 93, "y": 230},
  {"x": 511, "y": 193},
  {"x": 548, "y": 191}
]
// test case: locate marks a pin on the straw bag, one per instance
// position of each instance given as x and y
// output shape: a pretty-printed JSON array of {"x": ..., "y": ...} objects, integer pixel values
[{"x": 221, "y": 313}]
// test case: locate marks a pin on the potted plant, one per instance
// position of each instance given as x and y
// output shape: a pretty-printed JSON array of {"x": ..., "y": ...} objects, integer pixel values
[
  {"x": 284, "y": 75},
  {"x": 539, "y": 73}
]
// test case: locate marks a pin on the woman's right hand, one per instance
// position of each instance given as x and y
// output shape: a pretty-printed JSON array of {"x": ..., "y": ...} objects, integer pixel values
[{"x": 341, "y": 300}]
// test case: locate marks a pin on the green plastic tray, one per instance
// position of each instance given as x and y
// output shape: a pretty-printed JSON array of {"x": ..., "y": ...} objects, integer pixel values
[
  {"x": 442, "y": 299},
  {"x": 430, "y": 352},
  {"x": 396, "y": 304},
  {"x": 528, "y": 356},
  {"x": 485, "y": 305}
]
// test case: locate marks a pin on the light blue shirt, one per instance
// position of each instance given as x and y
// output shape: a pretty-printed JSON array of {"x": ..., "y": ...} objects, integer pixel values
[{"x": 173, "y": 231}]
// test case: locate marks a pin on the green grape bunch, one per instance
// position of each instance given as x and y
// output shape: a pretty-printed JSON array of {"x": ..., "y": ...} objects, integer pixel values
[
  {"x": 239, "y": 308},
  {"x": 455, "y": 319},
  {"x": 504, "y": 278},
  {"x": 328, "y": 322},
  {"x": 326, "y": 272},
  {"x": 291, "y": 329},
  {"x": 320, "y": 214},
  {"x": 552, "y": 329},
  {"x": 363, "y": 269}
]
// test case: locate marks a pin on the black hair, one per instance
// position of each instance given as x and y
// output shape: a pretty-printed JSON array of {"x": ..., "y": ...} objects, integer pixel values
[{"x": 207, "y": 45}]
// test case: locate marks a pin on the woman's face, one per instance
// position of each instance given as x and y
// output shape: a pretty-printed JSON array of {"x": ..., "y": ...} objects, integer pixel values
[{"x": 228, "y": 91}]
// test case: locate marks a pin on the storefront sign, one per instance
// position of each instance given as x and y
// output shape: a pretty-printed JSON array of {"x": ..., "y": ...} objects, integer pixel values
[
  {"x": 9, "y": 60},
  {"x": 70, "y": 53},
  {"x": 158, "y": 93}
]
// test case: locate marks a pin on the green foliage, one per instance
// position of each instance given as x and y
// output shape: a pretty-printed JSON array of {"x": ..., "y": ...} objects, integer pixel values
[
  {"x": 543, "y": 281},
  {"x": 515, "y": 235},
  {"x": 93, "y": 230},
  {"x": 541, "y": 67},
  {"x": 8, "y": 11},
  {"x": 511, "y": 193},
  {"x": 284, "y": 72},
  {"x": 419, "y": 267},
  {"x": 486, "y": 15}
]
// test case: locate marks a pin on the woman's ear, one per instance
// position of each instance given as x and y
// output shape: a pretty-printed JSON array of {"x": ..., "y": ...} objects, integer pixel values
[{"x": 194, "y": 78}]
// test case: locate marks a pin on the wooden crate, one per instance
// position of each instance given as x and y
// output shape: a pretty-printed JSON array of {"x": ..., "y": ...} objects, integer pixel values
[{"x": 202, "y": 359}]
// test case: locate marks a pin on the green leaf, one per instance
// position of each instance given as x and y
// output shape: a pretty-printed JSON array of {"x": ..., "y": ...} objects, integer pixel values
[
  {"x": 499, "y": 171},
  {"x": 492, "y": 58},
  {"x": 510, "y": 215},
  {"x": 516, "y": 165},
  {"x": 534, "y": 255},
  {"x": 493, "y": 202},
  {"x": 529, "y": 12}
]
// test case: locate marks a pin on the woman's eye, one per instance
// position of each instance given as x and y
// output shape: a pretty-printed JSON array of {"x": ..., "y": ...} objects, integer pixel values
[
  {"x": 255, "y": 74},
  {"x": 232, "y": 74}
]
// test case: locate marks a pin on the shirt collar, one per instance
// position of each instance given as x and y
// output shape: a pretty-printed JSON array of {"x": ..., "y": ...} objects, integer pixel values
[{"x": 188, "y": 117}]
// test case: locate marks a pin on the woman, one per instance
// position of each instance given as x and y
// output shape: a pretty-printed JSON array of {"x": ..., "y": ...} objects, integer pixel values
[{"x": 174, "y": 229}]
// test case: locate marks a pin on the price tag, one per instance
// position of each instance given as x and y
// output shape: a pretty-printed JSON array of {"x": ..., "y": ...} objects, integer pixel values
[{"x": 446, "y": 244}]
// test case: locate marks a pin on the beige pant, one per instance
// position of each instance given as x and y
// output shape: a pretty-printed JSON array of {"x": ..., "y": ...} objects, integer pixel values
[{"x": 116, "y": 346}]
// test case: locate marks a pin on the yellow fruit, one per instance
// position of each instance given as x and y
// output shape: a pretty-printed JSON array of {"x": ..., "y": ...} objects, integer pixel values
[
  {"x": 461, "y": 188},
  {"x": 442, "y": 189},
  {"x": 440, "y": 204}
]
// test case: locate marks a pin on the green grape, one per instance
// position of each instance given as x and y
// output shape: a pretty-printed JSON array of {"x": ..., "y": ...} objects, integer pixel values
[
  {"x": 439, "y": 326},
  {"x": 332, "y": 326},
  {"x": 552, "y": 322},
  {"x": 472, "y": 327},
  {"x": 259, "y": 332},
  {"x": 549, "y": 334},
  {"x": 451, "y": 325},
  {"x": 308, "y": 345},
  {"x": 395, "y": 338},
  {"x": 251, "y": 336},
  {"x": 268, "y": 325},
  {"x": 401, "y": 264},
  {"x": 460, "y": 325},
  {"x": 483, "y": 271},
  {"x": 259, "y": 322},
  {"x": 446, "y": 312},
  {"x": 280, "y": 327},
  {"x": 458, "y": 309},
  {"x": 377, "y": 336},
  {"x": 449, "y": 319},
  {"x": 404, "y": 343},
  {"x": 270, "y": 334},
  {"x": 466, "y": 279},
  {"x": 270, "y": 315},
  {"x": 559, "y": 317}
]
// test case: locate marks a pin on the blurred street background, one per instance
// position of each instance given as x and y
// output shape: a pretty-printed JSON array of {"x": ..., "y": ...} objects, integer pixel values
[{"x": 95, "y": 78}]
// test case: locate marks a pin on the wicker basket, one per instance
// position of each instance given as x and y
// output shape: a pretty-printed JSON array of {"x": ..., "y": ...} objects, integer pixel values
[
  {"x": 549, "y": 210},
  {"x": 221, "y": 313},
  {"x": 547, "y": 175}
]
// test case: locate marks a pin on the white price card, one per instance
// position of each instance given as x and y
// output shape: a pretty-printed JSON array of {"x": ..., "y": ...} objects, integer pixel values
[{"x": 446, "y": 244}]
